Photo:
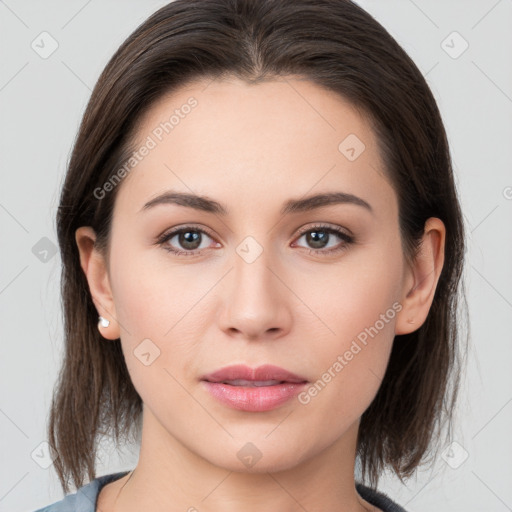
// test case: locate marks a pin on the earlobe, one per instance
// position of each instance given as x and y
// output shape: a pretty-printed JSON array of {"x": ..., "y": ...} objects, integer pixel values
[
  {"x": 422, "y": 278},
  {"x": 95, "y": 269}
]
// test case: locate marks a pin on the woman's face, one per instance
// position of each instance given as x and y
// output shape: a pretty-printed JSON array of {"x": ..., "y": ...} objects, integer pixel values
[{"x": 260, "y": 277}]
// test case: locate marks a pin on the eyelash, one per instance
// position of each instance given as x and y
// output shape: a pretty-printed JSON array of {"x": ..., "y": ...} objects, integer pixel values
[{"x": 347, "y": 239}]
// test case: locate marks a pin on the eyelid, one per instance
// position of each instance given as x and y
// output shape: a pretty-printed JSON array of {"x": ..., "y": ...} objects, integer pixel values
[
  {"x": 302, "y": 230},
  {"x": 162, "y": 239},
  {"x": 333, "y": 227},
  {"x": 192, "y": 227},
  {"x": 344, "y": 234},
  {"x": 346, "y": 239}
]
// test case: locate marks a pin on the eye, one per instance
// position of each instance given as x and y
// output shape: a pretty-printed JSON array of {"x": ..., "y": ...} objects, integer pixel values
[
  {"x": 189, "y": 241},
  {"x": 322, "y": 239}
]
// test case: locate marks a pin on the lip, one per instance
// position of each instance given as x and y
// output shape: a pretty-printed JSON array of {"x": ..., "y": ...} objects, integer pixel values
[
  {"x": 261, "y": 373},
  {"x": 252, "y": 398}
]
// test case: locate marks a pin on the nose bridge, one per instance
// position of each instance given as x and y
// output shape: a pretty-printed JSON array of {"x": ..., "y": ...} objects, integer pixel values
[
  {"x": 252, "y": 262},
  {"x": 256, "y": 303}
]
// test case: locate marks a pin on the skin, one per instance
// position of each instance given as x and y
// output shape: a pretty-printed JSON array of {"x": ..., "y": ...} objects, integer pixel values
[{"x": 251, "y": 148}]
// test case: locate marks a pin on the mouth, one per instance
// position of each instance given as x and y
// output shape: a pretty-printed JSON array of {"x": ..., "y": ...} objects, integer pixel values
[
  {"x": 253, "y": 383},
  {"x": 253, "y": 390},
  {"x": 241, "y": 375}
]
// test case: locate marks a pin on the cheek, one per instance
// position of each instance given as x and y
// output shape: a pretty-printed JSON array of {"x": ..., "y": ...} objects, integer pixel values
[
  {"x": 356, "y": 293},
  {"x": 357, "y": 308},
  {"x": 158, "y": 301},
  {"x": 149, "y": 305},
  {"x": 152, "y": 294},
  {"x": 349, "y": 368}
]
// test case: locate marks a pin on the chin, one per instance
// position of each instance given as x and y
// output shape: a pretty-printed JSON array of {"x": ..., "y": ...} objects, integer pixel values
[{"x": 259, "y": 457}]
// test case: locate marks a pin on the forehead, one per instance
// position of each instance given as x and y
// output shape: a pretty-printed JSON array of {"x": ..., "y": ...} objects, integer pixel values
[{"x": 230, "y": 138}]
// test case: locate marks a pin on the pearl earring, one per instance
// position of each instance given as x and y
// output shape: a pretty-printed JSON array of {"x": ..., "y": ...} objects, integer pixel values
[{"x": 104, "y": 322}]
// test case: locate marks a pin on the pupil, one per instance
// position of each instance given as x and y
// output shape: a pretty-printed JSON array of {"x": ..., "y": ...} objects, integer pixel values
[
  {"x": 317, "y": 238},
  {"x": 190, "y": 237}
]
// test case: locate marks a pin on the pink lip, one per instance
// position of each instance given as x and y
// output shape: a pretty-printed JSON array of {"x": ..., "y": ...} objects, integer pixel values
[
  {"x": 253, "y": 399},
  {"x": 265, "y": 372}
]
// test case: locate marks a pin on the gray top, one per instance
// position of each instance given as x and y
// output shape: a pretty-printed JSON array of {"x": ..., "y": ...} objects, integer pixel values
[{"x": 85, "y": 499}]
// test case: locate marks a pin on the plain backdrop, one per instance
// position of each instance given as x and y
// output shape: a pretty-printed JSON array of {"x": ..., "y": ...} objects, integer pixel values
[{"x": 464, "y": 48}]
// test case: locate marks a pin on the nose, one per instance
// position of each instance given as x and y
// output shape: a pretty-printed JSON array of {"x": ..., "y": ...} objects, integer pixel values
[{"x": 256, "y": 301}]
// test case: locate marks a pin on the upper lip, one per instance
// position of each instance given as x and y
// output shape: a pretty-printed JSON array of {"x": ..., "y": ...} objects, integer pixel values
[{"x": 261, "y": 373}]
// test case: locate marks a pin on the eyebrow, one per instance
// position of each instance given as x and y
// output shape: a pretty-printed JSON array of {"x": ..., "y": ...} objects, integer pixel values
[{"x": 204, "y": 203}]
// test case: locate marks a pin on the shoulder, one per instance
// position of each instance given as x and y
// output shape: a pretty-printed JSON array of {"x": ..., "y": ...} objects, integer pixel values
[
  {"x": 378, "y": 499},
  {"x": 85, "y": 498}
]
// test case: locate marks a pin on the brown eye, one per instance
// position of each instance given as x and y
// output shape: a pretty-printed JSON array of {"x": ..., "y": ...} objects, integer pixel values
[
  {"x": 325, "y": 239},
  {"x": 189, "y": 240},
  {"x": 317, "y": 239},
  {"x": 186, "y": 241}
]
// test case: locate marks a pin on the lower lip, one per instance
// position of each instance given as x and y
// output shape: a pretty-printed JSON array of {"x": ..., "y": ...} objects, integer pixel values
[{"x": 254, "y": 399}]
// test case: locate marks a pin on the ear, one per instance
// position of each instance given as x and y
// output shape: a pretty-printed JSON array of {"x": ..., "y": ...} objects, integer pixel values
[
  {"x": 421, "y": 278},
  {"x": 95, "y": 269}
]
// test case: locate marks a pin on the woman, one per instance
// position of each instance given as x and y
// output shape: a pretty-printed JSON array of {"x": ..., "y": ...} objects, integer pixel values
[{"x": 262, "y": 250}]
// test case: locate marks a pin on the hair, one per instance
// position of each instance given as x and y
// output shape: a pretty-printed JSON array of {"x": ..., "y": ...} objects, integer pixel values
[{"x": 342, "y": 48}]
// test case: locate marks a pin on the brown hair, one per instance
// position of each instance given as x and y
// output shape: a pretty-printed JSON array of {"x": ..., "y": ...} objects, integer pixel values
[{"x": 338, "y": 46}]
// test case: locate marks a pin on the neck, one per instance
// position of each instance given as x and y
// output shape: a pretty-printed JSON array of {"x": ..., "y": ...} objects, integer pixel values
[{"x": 169, "y": 477}]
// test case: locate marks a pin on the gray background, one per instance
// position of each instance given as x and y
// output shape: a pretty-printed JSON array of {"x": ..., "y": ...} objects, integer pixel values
[{"x": 41, "y": 102}]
